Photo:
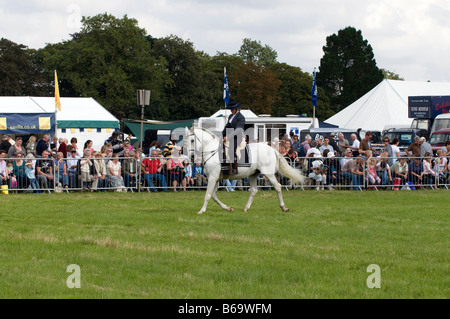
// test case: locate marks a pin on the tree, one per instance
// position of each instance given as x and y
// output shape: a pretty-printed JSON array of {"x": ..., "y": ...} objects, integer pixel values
[
  {"x": 20, "y": 72},
  {"x": 389, "y": 75},
  {"x": 256, "y": 87},
  {"x": 253, "y": 52},
  {"x": 194, "y": 86},
  {"x": 348, "y": 68},
  {"x": 109, "y": 59},
  {"x": 294, "y": 94}
]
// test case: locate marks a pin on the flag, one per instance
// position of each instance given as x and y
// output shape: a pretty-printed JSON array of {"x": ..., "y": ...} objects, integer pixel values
[
  {"x": 314, "y": 90},
  {"x": 226, "y": 93},
  {"x": 57, "y": 98}
]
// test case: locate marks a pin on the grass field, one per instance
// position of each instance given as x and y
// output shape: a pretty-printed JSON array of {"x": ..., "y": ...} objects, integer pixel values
[{"x": 156, "y": 246}]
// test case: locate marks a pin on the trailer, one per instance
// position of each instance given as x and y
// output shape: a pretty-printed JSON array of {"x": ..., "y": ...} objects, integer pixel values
[
  {"x": 427, "y": 110},
  {"x": 260, "y": 128}
]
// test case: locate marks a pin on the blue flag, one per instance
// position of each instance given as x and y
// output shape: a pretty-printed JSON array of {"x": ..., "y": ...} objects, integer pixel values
[
  {"x": 226, "y": 93},
  {"x": 314, "y": 90}
]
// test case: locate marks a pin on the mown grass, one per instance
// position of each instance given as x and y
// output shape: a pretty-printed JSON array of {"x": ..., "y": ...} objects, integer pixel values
[{"x": 156, "y": 246}]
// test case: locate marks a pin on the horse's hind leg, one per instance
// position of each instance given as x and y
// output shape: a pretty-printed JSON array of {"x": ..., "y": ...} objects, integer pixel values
[
  {"x": 273, "y": 180},
  {"x": 253, "y": 190},
  {"x": 216, "y": 199}
]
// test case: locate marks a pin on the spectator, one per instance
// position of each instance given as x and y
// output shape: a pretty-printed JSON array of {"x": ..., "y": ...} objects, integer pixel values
[
  {"x": 388, "y": 149},
  {"x": 176, "y": 169},
  {"x": 446, "y": 148},
  {"x": 114, "y": 139},
  {"x": 230, "y": 186},
  {"x": 3, "y": 176},
  {"x": 333, "y": 144},
  {"x": 153, "y": 170},
  {"x": 304, "y": 146},
  {"x": 384, "y": 169},
  {"x": 317, "y": 172},
  {"x": 129, "y": 170},
  {"x": 365, "y": 144},
  {"x": 114, "y": 169},
  {"x": 425, "y": 147},
  {"x": 326, "y": 146},
  {"x": 415, "y": 171},
  {"x": 167, "y": 152},
  {"x": 282, "y": 149},
  {"x": 333, "y": 170},
  {"x": 42, "y": 144},
  {"x": 343, "y": 144},
  {"x": 372, "y": 175},
  {"x": 73, "y": 142},
  {"x": 189, "y": 173},
  {"x": 72, "y": 167},
  {"x": 31, "y": 145},
  {"x": 54, "y": 145},
  {"x": 44, "y": 170},
  {"x": 10, "y": 172},
  {"x": 30, "y": 173},
  {"x": 86, "y": 170},
  {"x": 440, "y": 166},
  {"x": 16, "y": 148},
  {"x": 62, "y": 146},
  {"x": 61, "y": 170},
  {"x": 5, "y": 145},
  {"x": 100, "y": 179},
  {"x": 353, "y": 170},
  {"x": 313, "y": 149},
  {"x": 348, "y": 155},
  {"x": 395, "y": 150},
  {"x": 414, "y": 148},
  {"x": 428, "y": 173},
  {"x": 400, "y": 170},
  {"x": 199, "y": 176},
  {"x": 296, "y": 143},
  {"x": 355, "y": 144},
  {"x": 88, "y": 146},
  {"x": 19, "y": 170}
]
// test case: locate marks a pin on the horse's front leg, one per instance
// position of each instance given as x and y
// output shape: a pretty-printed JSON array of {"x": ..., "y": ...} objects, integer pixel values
[{"x": 216, "y": 199}]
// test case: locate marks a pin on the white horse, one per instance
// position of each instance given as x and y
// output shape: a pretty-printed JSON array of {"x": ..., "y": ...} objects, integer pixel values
[{"x": 264, "y": 160}]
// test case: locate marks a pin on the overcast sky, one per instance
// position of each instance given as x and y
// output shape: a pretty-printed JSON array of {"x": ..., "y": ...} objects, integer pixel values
[{"x": 408, "y": 37}]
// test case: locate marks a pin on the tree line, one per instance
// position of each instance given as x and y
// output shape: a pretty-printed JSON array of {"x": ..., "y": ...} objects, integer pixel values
[{"x": 110, "y": 58}]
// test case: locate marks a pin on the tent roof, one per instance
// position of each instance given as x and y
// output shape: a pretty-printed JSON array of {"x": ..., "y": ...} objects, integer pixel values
[
  {"x": 386, "y": 105},
  {"x": 75, "y": 111}
]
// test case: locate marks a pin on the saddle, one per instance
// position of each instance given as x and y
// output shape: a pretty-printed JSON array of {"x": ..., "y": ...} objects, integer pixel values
[{"x": 244, "y": 158}]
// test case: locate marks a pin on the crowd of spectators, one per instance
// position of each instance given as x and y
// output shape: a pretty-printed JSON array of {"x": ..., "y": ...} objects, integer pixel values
[
  {"x": 332, "y": 160},
  {"x": 42, "y": 164},
  {"x": 45, "y": 164}
]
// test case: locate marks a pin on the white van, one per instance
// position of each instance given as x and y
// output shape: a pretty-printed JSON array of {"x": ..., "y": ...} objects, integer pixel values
[{"x": 441, "y": 121}]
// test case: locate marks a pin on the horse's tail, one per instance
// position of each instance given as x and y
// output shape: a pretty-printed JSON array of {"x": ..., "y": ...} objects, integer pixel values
[{"x": 285, "y": 169}]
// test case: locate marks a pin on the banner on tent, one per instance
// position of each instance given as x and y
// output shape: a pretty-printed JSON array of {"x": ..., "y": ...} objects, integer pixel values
[{"x": 35, "y": 123}]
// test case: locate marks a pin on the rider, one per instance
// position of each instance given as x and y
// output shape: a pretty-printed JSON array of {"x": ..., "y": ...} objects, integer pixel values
[{"x": 234, "y": 133}]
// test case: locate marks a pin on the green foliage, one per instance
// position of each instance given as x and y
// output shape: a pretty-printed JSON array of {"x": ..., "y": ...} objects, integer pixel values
[
  {"x": 348, "y": 68},
  {"x": 252, "y": 51},
  {"x": 391, "y": 75},
  {"x": 156, "y": 246},
  {"x": 109, "y": 59},
  {"x": 20, "y": 71}
]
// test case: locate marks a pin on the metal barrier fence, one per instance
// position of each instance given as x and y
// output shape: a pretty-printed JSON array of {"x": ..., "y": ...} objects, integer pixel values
[{"x": 165, "y": 174}]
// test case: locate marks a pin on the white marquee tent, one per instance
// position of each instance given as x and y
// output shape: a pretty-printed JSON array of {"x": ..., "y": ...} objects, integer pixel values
[
  {"x": 386, "y": 105},
  {"x": 83, "y": 118}
]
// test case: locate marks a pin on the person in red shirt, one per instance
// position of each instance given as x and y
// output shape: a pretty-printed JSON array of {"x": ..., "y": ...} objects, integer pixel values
[{"x": 152, "y": 170}]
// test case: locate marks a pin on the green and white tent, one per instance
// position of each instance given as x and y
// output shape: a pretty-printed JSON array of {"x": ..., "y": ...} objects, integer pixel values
[{"x": 83, "y": 118}]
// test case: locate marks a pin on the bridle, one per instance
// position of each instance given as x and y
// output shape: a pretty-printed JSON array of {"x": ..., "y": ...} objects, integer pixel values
[{"x": 206, "y": 154}]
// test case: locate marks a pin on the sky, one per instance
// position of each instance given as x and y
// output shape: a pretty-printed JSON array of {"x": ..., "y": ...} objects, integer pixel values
[{"x": 408, "y": 37}]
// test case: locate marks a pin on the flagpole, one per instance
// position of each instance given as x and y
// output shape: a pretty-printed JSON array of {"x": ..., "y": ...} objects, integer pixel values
[{"x": 314, "y": 97}]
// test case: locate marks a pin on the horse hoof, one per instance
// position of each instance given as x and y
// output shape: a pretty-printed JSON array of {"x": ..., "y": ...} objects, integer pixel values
[
  {"x": 199, "y": 213},
  {"x": 231, "y": 209},
  {"x": 285, "y": 210},
  {"x": 245, "y": 210}
]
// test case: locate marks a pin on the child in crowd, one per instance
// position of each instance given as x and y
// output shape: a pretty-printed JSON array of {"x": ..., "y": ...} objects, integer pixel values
[
  {"x": 10, "y": 173},
  {"x": 29, "y": 171},
  {"x": 374, "y": 179}
]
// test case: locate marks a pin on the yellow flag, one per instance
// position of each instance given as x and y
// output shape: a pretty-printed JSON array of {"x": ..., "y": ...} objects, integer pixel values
[{"x": 57, "y": 98}]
